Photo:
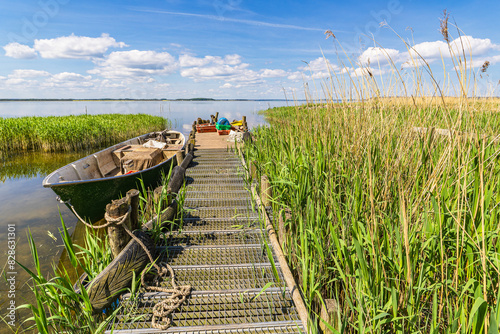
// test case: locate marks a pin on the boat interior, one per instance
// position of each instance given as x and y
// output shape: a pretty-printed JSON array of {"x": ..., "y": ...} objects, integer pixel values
[{"x": 127, "y": 157}]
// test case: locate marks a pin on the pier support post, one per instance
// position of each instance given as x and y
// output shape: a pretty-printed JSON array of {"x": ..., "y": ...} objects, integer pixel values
[
  {"x": 191, "y": 145},
  {"x": 253, "y": 169},
  {"x": 168, "y": 217},
  {"x": 118, "y": 237},
  {"x": 176, "y": 179},
  {"x": 281, "y": 226},
  {"x": 179, "y": 155},
  {"x": 133, "y": 200},
  {"x": 266, "y": 191},
  {"x": 216, "y": 116},
  {"x": 329, "y": 314},
  {"x": 245, "y": 125},
  {"x": 163, "y": 202}
]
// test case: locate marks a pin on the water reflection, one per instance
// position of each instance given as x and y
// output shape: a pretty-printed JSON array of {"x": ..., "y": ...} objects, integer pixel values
[{"x": 34, "y": 164}]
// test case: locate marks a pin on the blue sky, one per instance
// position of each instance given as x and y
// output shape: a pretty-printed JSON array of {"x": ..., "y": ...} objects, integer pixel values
[{"x": 224, "y": 48}]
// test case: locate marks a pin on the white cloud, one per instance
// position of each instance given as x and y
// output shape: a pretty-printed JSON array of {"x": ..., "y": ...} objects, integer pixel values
[
  {"x": 429, "y": 50},
  {"x": 68, "y": 76},
  {"x": 364, "y": 71},
  {"x": 232, "y": 59},
  {"x": 469, "y": 45},
  {"x": 18, "y": 82},
  {"x": 268, "y": 73},
  {"x": 229, "y": 68},
  {"x": 296, "y": 76},
  {"x": 217, "y": 71},
  {"x": 378, "y": 56},
  {"x": 473, "y": 46},
  {"x": 76, "y": 46},
  {"x": 68, "y": 80},
  {"x": 135, "y": 63},
  {"x": 190, "y": 61},
  {"x": 319, "y": 64},
  {"x": 318, "y": 68},
  {"x": 20, "y": 51},
  {"x": 481, "y": 61},
  {"x": 28, "y": 74}
]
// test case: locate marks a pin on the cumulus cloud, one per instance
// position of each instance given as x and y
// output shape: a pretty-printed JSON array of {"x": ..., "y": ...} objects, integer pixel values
[
  {"x": 76, "y": 46},
  {"x": 69, "y": 76},
  {"x": 69, "y": 80},
  {"x": 429, "y": 50},
  {"x": 229, "y": 68},
  {"x": 473, "y": 46},
  {"x": 469, "y": 45},
  {"x": 378, "y": 56},
  {"x": 20, "y": 51},
  {"x": 216, "y": 71},
  {"x": 19, "y": 82},
  {"x": 317, "y": 68},
  {"x": 364, "y": 71},
  {"x": 296, "y": 76},
  {"x": 190, "y": 61},
  {"x": 135, "y": 63},
  {"x": 28, "y": 74},
  {"x": 479, "y": 62},
  {"x": 268, "y": 73},
  {"x": 319, "y": 64}
]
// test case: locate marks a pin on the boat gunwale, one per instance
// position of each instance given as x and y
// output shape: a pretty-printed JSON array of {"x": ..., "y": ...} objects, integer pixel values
[{"x": 46, "y": 184}]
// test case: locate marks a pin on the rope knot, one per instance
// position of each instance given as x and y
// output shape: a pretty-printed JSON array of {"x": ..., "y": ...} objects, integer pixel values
[{"x": 118, "y": 220}]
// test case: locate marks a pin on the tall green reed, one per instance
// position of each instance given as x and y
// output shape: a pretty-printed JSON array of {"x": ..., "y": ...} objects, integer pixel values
[
  {"x": 59, "y": 306},
  {"x": 399, "y": 227},
  {"x": 70, "y": 133}
]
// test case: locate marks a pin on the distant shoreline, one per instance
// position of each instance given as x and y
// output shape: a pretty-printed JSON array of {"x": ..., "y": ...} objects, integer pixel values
[{"x": 139, "y": 100}]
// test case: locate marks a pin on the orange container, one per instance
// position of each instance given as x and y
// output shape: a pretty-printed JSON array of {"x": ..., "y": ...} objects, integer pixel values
[
  {"x": 200, "y": 128},
  {"x": 223, "y": 132}
]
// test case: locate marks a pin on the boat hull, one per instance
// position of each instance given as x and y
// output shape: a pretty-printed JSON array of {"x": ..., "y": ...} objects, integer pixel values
[
  {"x": 89, "y": 199},
  {"x": 84, "y": 186}
]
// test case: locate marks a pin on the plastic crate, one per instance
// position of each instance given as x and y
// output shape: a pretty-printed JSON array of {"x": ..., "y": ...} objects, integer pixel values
[
  {"x": 223, "y": 132},
  {"x": 200, "y": 128}
]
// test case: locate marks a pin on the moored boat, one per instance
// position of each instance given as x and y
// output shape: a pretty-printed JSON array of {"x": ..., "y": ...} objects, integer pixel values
[{"x": 92, "y": 182}]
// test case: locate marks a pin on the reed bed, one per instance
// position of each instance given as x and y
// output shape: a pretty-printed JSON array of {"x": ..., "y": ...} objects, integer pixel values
[
  {"x": 400, "y": 228},
  {"x": 73, "y": 133}
]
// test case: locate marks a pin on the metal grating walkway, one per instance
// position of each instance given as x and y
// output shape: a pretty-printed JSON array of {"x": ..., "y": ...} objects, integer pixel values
[{"x": 222, "y": 251}]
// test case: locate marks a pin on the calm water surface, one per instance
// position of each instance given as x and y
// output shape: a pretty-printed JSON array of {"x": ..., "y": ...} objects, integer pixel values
[{"x": 25, "y": 204}]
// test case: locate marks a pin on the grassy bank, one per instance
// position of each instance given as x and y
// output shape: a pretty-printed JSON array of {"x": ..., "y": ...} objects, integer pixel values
[
  {"x": 400, "y": 228},
  {"x": 71, "y": 133}
]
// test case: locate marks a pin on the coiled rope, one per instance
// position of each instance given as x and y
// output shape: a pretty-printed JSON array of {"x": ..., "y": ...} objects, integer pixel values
[{"x": 179, "y": 293}]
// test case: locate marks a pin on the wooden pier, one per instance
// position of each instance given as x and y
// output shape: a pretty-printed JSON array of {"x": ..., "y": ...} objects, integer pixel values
[{"x": 221, "y": 248}]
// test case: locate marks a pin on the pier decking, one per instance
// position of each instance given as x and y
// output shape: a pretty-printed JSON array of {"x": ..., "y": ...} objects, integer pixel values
[{"x": 223, "y": 251}]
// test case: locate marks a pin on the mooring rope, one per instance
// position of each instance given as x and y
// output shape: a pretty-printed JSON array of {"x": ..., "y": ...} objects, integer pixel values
[{"x": 164, "y": 308}]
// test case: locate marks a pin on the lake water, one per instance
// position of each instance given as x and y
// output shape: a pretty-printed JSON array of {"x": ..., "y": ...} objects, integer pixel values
[{"x": 26, "y": 206}]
